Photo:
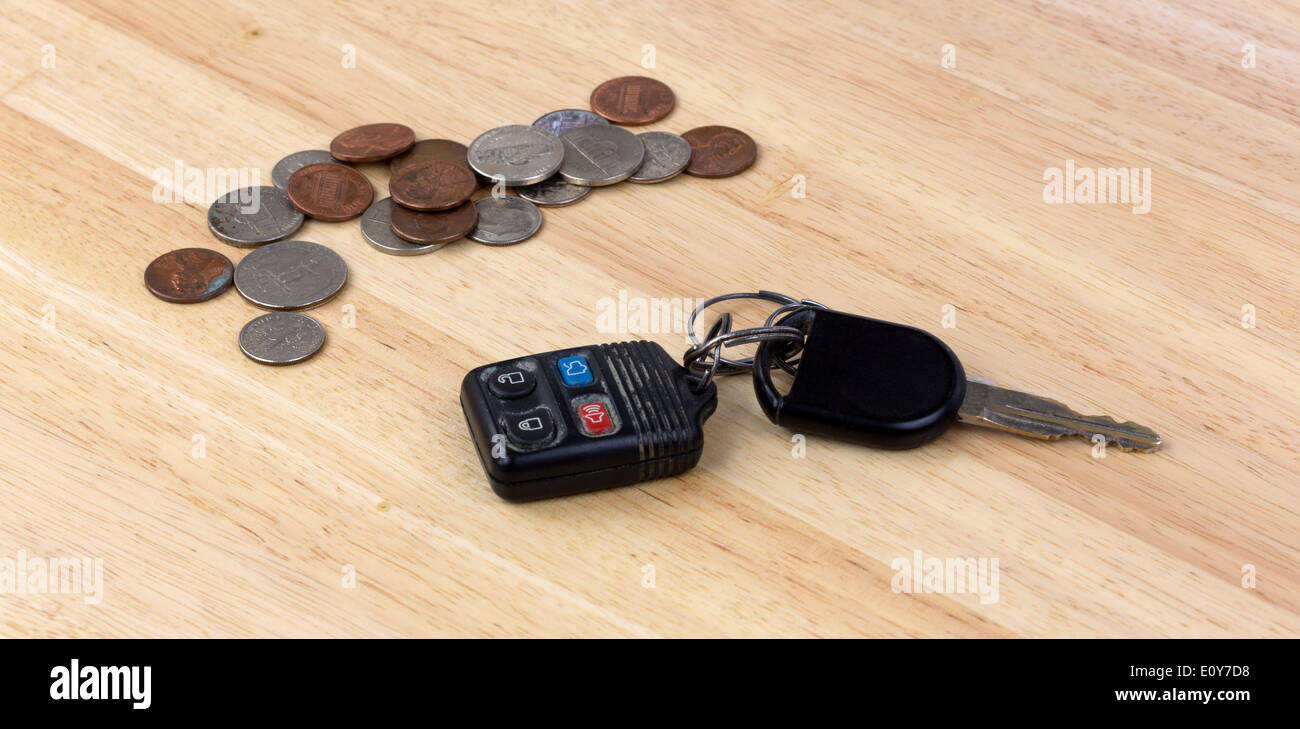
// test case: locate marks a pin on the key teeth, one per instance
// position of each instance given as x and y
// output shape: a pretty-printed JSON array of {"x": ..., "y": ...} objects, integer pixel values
[
  {"x": 1126, "y": 444},
  {"x": 1123, "y": 444},
  {"x": 1005, "y": 419},
  {"x": 1129, "y": 446}
]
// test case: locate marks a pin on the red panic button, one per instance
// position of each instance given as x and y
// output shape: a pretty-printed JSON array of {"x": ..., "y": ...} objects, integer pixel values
[{"x": 594, "y": 417}]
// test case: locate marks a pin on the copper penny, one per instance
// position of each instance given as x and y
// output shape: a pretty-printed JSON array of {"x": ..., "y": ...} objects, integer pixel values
[
  {"x": 719, "y": 151},
  {"x": 372, "y": 142},
  {"x": 443, "y": 149},
  {"x": 440, "y": 227},
  {"x": 432, "y": 185},
  {"x": 632, "y": 100},
  {"x": 189, "y": 275},
  {"x": 331, "y": 192}
]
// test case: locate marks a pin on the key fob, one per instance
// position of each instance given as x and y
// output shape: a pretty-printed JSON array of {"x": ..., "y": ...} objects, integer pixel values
[
  {"x": 869, "y": 381},
  {"x": 583, "y": 419}
]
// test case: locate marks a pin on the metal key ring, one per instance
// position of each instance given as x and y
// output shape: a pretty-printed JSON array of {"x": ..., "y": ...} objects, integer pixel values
[
  {"x": 733, "y": 366},
  {"x": 721, "y": 324},
  {"x": 777, "y": 328},
  {"x": 742, "y": 336},
  {"x": 698, "y": 360},
  {"x": 746, "y": 363}
]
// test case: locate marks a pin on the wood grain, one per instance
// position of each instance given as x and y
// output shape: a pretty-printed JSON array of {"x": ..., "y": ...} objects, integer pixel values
[{"x": 924, "y": 189}]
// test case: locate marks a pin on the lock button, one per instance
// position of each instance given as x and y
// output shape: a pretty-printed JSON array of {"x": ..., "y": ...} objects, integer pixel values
[{"x": 531, "y": 427}]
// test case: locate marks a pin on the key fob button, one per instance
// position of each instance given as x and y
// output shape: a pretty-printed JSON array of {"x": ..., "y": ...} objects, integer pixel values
[
  {"x": 594, "y": 415},
  {"x": 574, "y": 371},
  {"x": 531, "y": 427},
  {"x": 512, "y": 381}
]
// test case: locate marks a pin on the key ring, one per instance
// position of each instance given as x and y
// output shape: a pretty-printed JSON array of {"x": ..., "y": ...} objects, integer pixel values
[{"x": 705, "y": 358}]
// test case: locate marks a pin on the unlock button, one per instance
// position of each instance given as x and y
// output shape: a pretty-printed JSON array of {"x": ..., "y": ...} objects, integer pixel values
[
  {"x": 530, "y": 428},
  {"x": 512, "y": 381}
]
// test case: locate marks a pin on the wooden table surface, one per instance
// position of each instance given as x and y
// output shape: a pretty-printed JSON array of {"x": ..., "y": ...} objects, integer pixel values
[{"x": 904, "y": 148}]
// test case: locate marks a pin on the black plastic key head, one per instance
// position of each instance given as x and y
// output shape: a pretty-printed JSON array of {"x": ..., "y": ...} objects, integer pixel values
[{"x": 865, "y": 380}]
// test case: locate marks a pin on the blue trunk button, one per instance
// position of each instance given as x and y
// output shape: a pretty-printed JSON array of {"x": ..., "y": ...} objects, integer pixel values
[{"x": 574, "y": 371}]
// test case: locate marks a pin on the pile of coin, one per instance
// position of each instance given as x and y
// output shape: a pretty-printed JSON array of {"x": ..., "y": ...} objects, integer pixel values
[{"x": 432, "y": 186}]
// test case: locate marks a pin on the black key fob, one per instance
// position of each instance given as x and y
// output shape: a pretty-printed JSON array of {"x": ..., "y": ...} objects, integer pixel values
[
  {"x": 873, "y": 382},
  {"x": 583, "y": 419}
]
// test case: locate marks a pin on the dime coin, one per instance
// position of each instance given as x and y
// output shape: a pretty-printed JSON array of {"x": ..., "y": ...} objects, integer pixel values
[
  {"x": 296, "y": 161},
  {"x": 559, "y": 122},
  {"x": 719, "y": 151},
  {"x": 372, "y": 142},
  {"x": 330, "y": 192},
  {"x": 633, "y": 100},
  {"x": 281, "y": 338},
  {"x": 516, "y": 154},
  {"x": 666, "y": 155},
  {"x": 505, "y": 220},
  {"x": 443, "y": 149},
  {"x": 189, "y": 275},
  {"x": 432, "y": 185},
  {"x": 291, "y": 274},
  {"x": 251, "y": 216},
  {"x": 377, "y": 227},
  {"x": 443, "y": 226},
  {"x": 553, "y": 192},
  {"x": 600, "y": 155}
]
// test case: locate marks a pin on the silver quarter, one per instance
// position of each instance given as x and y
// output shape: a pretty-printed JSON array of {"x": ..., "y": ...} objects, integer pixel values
[
  {"x": 296, "y": 161},
  {"x": 281, "y": 338},
  {"x": 600, "y": 155},
  {"x": 516, "y": 154},
  {"x": 251, "y": 216},
  {"x": 505, "y": 220},
  {"x": 666, "y": 155},
  {"x": 553, "y": 192},
  {"x": 377, "y": 227},
  {"x": 559, "y": 122},
  {"x": 290, "y": 275}
]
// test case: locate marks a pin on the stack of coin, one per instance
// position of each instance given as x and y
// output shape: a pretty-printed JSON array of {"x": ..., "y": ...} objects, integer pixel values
[
  {"x": 593, "y": 150},
  {"x": 428, "y": 204},
  {"x": 432, "y": 200}
]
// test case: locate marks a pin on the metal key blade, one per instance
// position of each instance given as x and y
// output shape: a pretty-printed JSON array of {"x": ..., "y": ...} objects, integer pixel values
[{"x": 991, "y": 406}]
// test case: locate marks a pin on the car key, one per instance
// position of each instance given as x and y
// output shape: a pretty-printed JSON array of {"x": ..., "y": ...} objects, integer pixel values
[
  {"x": 893, "y": 386},
  {"x": 583, "y": 419}
]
